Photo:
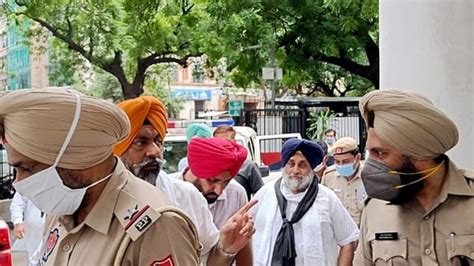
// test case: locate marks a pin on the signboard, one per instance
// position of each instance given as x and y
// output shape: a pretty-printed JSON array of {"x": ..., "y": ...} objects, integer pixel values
[
  {"x": 235, "y": 107},
  {"x": 191, "y": 94},
  {"x": 270, "y": 73}
]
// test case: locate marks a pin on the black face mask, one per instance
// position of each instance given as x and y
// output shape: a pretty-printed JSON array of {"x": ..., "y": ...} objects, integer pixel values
[
  {"x": 408, "y": 193},
  {"x": 397, "y": 187}
]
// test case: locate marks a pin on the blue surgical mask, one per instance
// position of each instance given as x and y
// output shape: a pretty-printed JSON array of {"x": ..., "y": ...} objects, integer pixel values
[{"x": 346, "y": 169}]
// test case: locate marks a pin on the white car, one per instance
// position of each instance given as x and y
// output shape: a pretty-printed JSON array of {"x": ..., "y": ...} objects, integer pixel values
[{"x": 264, "y": 150}]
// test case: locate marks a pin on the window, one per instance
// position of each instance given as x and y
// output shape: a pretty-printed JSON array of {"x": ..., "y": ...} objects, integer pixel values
[{"x": 199, "y": 106}]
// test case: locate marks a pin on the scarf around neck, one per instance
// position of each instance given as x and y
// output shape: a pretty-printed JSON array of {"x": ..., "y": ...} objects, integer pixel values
[{"x": 284, "y": 251}]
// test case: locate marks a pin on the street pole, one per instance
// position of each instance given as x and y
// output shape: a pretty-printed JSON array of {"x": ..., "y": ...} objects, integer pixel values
[{"x": 272, "y": 62}]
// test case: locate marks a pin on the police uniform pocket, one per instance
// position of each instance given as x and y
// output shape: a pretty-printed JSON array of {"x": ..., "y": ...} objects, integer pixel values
[
  {"x": 460, "y": 249},
  {"x": 389, "y": 252}
]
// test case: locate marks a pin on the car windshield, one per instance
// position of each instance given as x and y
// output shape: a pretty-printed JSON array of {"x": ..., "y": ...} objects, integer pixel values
[{"x": 174, "y": 151}]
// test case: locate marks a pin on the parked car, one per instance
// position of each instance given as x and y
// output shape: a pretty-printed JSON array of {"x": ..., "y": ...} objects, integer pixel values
[
  {"x": 6, "y": 258},
  {"x": 263, "y": 150},
  {"x": 6, "y": 176}
]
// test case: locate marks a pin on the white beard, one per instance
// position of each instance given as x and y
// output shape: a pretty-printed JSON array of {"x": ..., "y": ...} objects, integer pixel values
[{"x": 298, "y": 183}]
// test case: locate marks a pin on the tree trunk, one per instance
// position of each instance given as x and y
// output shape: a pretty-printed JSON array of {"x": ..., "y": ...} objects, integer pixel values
[{"x": 130, "y": 90}]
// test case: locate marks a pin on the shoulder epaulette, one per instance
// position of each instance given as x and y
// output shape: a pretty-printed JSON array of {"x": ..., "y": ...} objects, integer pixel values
[
  {"x": 134, "y": 215},
  {"x": 330, "y": 171},
  {"x": 469, "y": 174}
]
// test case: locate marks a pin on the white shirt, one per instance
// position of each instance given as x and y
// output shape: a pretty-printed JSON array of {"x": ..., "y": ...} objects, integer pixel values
[
  {"x": 23, "y": 211},
  {"x": 227, "y": 204},
  {"x": 318, "y": 234},
  {"x": 188, "y": 198}
]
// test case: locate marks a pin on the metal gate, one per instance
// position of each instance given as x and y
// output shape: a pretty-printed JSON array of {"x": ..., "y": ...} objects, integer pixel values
[
  {"x": 291, "y": 117},
  {"x": 274, "y": 121}
]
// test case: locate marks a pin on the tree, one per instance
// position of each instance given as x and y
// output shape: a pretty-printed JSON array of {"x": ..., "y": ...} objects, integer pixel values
[
  {"x": 308, "y": 39},
  {"x": 106, "y": 86},
  {"x": 123, "y": 38}
]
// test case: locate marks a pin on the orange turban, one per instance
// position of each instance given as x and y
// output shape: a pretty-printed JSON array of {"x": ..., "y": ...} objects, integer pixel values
[
  {"x": 137, "y": 110},
  {"x": 209, "y": 157}
]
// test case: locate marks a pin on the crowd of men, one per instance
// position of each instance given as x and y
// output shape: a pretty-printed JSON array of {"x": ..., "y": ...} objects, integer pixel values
[{"x": 94, "y": 172}]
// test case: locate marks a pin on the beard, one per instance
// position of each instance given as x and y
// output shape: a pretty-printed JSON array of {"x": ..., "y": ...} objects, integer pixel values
[
  {"x": 408, "y": 193},
  {"x": 298, "y": 183},
  {"x": 147, "y": 170},
  {"x": 210, "y": 197}
]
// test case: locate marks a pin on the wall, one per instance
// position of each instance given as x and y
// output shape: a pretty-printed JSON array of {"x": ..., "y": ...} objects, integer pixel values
[{"x": 427, "y": 46}]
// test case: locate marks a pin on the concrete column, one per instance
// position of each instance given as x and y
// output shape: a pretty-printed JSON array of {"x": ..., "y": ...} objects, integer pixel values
[{"x": 428, "y": 46}]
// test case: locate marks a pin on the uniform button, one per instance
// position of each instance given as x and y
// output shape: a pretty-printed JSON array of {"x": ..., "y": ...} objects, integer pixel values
[
  {"x": 472, "y": 254},
  {"x": 427, "y": 217},
  {"x": 66, "y": 248},
  {"x": 427, "y": 251}
]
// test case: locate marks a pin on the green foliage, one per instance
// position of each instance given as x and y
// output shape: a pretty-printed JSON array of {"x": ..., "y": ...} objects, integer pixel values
[
  {"x": 319, "y": 123},
  {"x": 310, "y": 40},
  {"x": 106, "y": 86},
  {"x": 157, "y": 84},
  {"x": 318, "y": 43},
  {"x": 123, "y": 38}
]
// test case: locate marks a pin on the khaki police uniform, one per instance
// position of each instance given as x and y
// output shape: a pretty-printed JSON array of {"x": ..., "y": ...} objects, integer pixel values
[
  {"x": 128, "y": 225},
  {"x": 409, "y": 235},
  {"x": 351, "y": 193}
]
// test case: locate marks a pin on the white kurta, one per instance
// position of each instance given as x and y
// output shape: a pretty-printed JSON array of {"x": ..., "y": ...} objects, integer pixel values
[
  {"x": 318, "y": 234},
  {"x": 188, "y": 198},
  {"x": 227, "y": 204},
  {"x": 23, "y": 211}
]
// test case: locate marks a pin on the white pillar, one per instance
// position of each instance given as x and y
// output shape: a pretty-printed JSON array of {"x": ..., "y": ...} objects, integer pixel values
[{"x": 428, "y": 46}]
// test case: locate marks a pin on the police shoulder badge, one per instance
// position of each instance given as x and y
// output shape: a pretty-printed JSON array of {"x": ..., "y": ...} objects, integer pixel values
[
  {"x": 50, "y": 244},
  {"x": 168, "y": 261}
]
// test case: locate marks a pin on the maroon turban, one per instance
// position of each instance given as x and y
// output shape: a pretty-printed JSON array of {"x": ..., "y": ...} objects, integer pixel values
[{"x": 209, "y": 157}]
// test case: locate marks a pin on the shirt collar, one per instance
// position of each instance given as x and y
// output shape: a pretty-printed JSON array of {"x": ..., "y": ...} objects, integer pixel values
[
  {"x": 100, "y": 217},
  {"x": 456, "y": 183}
]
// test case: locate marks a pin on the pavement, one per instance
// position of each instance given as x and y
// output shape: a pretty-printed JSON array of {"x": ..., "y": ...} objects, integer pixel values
[{"x": 20, "y": 258}]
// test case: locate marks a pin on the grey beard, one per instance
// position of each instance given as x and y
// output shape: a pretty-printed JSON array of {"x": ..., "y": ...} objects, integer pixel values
[
  {"x": 298, "y": 184},
  {"x": 149, "y": 175}
]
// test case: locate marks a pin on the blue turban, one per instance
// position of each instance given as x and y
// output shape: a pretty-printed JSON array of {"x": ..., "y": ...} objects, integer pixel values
[
  {"x": 311, "y": 151},
  {"x": 198, "y": 130}
]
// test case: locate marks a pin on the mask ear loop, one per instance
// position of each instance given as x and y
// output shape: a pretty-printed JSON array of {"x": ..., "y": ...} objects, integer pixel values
[
  {"x": 435, "y": 169},
  {"x": 393, "y": 172},
  {"x": 75, "y": 121}
]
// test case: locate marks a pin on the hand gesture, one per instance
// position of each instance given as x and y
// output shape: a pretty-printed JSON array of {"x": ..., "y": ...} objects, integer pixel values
[{"x": 238, "y": 230}]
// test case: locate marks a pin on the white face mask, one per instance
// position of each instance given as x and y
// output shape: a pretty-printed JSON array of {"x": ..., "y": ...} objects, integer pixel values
[{"x": 46, "y": 189}]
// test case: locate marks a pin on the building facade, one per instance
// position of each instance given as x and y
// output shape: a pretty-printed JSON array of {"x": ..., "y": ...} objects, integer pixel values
[{"x": 204, "y": 97}]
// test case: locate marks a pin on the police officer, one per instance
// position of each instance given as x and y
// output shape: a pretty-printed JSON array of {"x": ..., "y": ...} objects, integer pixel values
[
  {"x": 344, "y": 176},
  {"x": 98, "y": 213},
  {"x": 421, "y": 211}
]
